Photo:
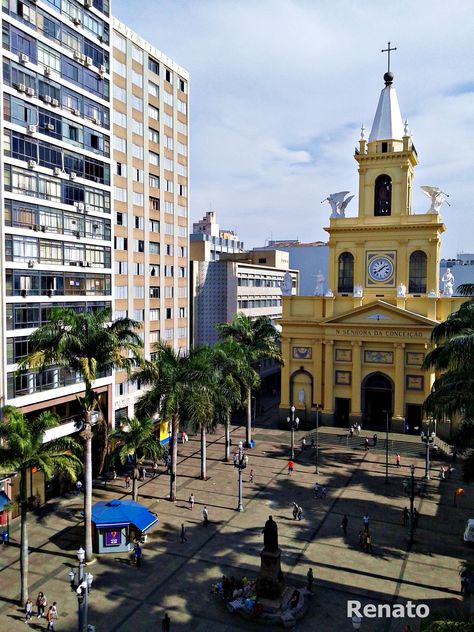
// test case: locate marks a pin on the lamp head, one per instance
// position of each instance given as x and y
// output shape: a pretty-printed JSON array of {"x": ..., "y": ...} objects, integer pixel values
[
  {"x": 297, "y": 421},
  {"x": 89, "y": 579},
  {"x": 241, "y": 445},
  {"x": 71, "y": 576},
  {"x": 292, "y": 409},
  {"x": 80, "y": 555}
]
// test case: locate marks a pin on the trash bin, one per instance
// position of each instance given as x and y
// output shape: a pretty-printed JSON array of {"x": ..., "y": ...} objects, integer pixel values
[{"x": 5, "y": 537}]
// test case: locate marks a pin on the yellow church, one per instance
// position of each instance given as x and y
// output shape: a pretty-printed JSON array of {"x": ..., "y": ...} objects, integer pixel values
[{"x": 355, "y": 354}]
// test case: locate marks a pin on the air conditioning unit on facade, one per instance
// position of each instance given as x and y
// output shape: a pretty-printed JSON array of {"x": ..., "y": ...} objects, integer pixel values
[
  {"x": 73, "y": 263},
  {"x": 21, "y": 87},
  {"x": 57, "y": 171},
  {"x": 76, "y": 112},
  {"x": 83, "y": 264},
  {"x": 23, "y": 58},
  {"x": 87, "y": 208},
  {"x": 47, "y": 71},
  {"x": 88, "y": 61},
  {"x": 54, "y": 103},
  {"x": 31, "y": 129},
  {"x": 72, "y": 175},
  {"x": 96, "y": 121},
  {"x": 32, "y": 164},
  {"x": 77, "y": 55},
  {"x": 30, "y": 92},
  {"x": 31, "y": 263},
  {"x": 45, "y": 97},
  {"x": 76, "y": 21},
  {"x": 88, "y": 3},
  {"x": 49, "y": 127},
  {"x": 102, "y": 69},
  {"x": 80, "y": 206}
]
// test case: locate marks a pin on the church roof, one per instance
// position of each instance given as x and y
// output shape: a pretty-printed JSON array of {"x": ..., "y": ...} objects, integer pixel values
[{"x": 388, "y": 124}]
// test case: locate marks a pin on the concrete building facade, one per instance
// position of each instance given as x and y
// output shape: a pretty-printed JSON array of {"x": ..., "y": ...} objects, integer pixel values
[{"x": 150, "y": 197}]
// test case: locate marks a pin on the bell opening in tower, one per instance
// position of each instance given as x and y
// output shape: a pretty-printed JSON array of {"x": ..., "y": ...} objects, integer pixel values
[{"x": 383, "y": 196}]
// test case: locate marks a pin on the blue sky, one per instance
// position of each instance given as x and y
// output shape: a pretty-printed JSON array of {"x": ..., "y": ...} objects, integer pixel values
[{"x": 280, "y": 88}]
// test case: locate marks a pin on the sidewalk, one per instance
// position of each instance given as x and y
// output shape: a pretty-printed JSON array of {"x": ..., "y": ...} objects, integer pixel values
[{"x": 177, "y": 577}]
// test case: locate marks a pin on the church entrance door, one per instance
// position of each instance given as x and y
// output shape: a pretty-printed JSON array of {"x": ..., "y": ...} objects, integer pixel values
[{"x": 377, "y": 397}]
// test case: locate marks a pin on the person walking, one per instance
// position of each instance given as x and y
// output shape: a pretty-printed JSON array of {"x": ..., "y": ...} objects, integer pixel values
[
  {"x": 316, "y": 490},
  {"x": 374, "y": 439},
  {"x": 310, "y": 579},
  {"x": 155, "y": 469},
  {"x": 183, "y": 534},
  {"x": 191, "y": 501},
  {"x": 41, "y": 604},
  {"x": 78, "y": 487},
  {"x": 291, "y": 466},
  {"x": 303, "y": 444},
  {"x": 366, "y": 444},
  {"x": 52, "y": 616},
  {"x": 365, "y": 520},
  {"x": 351, "y": 431},
  {"x": 416, "y": 516},
  {"x": 205, "y": 516},
  {"x": 165, "y": 624},
  {"x": 312, "y": 441},
  {"x": 28, "y": 610},
  {"x": 299, "y": 513},
  {"x": 324, "y": 492},
  {"x": 405, "y": 517},
  {"x": 344, "y": 523},
  {"x": 251, "y": 475},
  {"x": 144, "y": 473},
  {"x": 368, "y": 543},
  {"x": 138, "y": 555},
  {"x": 127, "y": 481},
  {"x": 397, "y": 460},
  {"x": 295, "y": 510}
]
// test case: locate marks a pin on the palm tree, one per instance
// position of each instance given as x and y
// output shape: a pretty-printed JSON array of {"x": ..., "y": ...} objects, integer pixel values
[
  {"x": 22, "y": 448},
  {"x": 453, "y": 360},
  {"x": 136, "y": 440},
  {"x": 89, "y": 344},
  {"x": 172, "y": 378},
  {"x": 234, "y": 377},
  {"x": 258, "y": 340}
]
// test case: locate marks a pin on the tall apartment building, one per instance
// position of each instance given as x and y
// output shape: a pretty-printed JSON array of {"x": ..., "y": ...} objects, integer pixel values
[
  {"x": 150, "y": 152},
  {"x": 56, "y": 225}
]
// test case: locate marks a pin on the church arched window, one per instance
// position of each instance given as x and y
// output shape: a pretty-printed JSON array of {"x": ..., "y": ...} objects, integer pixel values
[
  {"x": 383, "y": 196},
  {"x": 417, "y": 272},
  {"x": 345, "y": 275}
]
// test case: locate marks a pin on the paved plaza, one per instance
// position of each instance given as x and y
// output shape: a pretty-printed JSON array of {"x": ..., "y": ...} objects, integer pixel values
[{"x": 177, "y": 577}]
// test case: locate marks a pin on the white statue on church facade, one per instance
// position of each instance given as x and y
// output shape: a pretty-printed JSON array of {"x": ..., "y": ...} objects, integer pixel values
[
  {"x": 401, "y": 290},
  {"x": 338, "y": 203},
  {"x": 448, "y": 283},
  {"x": 287, "y": 284},
  {"x": 437, "y": 198},
  {"x": 319, "y": 286}
]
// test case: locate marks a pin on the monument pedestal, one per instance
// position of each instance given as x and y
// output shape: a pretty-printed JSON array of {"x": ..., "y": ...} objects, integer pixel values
[{"x": 270, "y": 582}]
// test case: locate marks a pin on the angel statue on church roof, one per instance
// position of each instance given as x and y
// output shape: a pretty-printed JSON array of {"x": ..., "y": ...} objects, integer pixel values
[
  {"x": 436, "y": 196},
  {"x": 338, "y": 203}
]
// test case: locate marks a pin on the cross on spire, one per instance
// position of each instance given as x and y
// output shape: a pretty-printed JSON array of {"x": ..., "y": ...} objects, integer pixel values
[{"x": 388, "y": 50}]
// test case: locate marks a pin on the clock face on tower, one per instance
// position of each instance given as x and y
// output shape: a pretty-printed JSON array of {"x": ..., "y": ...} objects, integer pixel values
[{"x": 380, "y": 269}]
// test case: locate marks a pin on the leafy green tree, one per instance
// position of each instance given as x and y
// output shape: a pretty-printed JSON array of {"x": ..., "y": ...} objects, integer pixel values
[
  {"x": 453, "y": 360},
  {"x": 22, "y": 448},
  {"x": 135, "y": 442},
  {"x": 258, "y": 339},
  {"x": 173, "y": 379},
  {"x": 91, "y": 345}
]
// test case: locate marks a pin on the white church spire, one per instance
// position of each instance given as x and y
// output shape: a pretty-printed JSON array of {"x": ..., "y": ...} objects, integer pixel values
[{"x": 388, "y": 122}]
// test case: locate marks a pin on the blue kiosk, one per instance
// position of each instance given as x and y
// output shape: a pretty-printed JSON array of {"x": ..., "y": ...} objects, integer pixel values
[{"x": 118, "y": 524}]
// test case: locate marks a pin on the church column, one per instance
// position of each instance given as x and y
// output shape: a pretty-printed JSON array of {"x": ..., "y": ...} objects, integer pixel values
[
  {"x": 356, "y": 378},
  {"x": 328, "y": 377},
  {"x": 317, "y": 371},
  {"x": 285, "y": 372},
  {"x": 399, "y": 398}
]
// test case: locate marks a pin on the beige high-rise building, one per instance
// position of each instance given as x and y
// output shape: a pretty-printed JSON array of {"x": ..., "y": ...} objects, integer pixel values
[{"x": 150, "y": 191}]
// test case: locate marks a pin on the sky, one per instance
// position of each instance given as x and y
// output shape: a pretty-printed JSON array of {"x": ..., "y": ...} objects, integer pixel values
[{"x": 280, "y": 88}]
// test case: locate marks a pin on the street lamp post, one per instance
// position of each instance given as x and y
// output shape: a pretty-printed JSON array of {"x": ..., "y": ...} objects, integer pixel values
[
  {"x": 317, "y": 407},
  {"x": 428, "y": 438},
  {"x": 387, "y": 419},
  {"x": 240, "y": 462},
  {"x": 293, "y": 424},
  {"x": 411, "y": 492},
  {"x": 81, "y": 585}
]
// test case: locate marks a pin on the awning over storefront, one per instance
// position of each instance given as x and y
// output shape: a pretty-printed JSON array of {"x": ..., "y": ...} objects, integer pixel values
[{"x": 120, "y": 513}]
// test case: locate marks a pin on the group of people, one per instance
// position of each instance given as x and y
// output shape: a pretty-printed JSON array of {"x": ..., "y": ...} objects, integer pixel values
[
  {"x": 406, "y": 517},
  {"x": 41, "y": 604},
  {"x": 297, "y": 511},
  {"x": 445, "y": 471},
  {"x": 365, "y": 539},
  {"x": 319, "y": 491}
]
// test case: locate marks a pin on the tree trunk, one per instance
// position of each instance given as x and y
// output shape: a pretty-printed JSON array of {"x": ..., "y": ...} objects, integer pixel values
[
  {"x": 248, "y": 430},
  {"x": 227, "y": 440},
  {"x": 136, "y": 475},
  {"x": 87, "y": 434},
  {"x": 174, "y": 455},
  {"x": 24, "y": 539},
  {"x": 203, "y": 453}
]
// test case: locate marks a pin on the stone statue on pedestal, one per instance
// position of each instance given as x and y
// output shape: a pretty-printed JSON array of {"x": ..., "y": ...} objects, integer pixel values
[
  {"x": 270, "y": 582},
  {"x": 270, "y": 535},
  {"x": 448, "y": 280},
  {"x": 401, "y": 290}
]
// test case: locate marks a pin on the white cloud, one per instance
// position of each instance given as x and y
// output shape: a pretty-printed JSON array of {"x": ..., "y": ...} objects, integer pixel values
[{"x": 279, "y": 89}]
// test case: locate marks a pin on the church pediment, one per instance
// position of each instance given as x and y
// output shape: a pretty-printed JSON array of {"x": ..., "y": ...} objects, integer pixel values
[{"x": 379, "y": 314}]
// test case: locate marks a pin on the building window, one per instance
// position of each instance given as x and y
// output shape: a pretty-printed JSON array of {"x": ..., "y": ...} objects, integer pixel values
[
  {"x": 182, "y": 312},
  {"x": 417, "y": 273},
  {"x": 121, "y": 169},
  {"x": 137, "y": 79},
  {"x": 153, "y": 135},
  {"x": 137, "y": 198},
  {"x": 137, "y": 151},
  {"x": 154, "y": 314},
  {"x": 154, "y": 247},
  {"x": 169, "y": 312},
  {"x": 153, "y": 113},
  {"x": 168, "y": 76},
  {"x": 169, "y": 292},
  {"x": 121, "y": 219},
  {"x": 139, "y": 222},
  {"x": 154, "y": 226},
  {"x": 154, "y": 66},
  {"x": 383, "y": 196},
  {"x": 154, "y": 159},
  {"x": 139, "y": 291},
  {"x": 154, "y": 181},
  {"x": 345, "y": 278},
  {"x": 153, "y": 89},
  {"x": 137, "y": 127},
  {"x": 137, "y": 54}
]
